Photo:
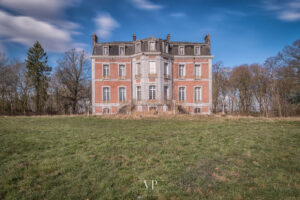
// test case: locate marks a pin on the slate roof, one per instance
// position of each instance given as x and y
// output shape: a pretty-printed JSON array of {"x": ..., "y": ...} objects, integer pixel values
[{"x": 172, "y": 45}]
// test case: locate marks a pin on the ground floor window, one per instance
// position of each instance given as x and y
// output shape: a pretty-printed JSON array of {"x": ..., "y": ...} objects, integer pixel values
[
  {"x": 197, "y": 110},
  {"x": 122, "y": 94},
  {"x": 181, "y": 94},
  {"x": 105, "y": 111}
]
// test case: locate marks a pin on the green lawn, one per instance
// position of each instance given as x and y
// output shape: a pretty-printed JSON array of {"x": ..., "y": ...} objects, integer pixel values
[{"x": 197, "y": 158}]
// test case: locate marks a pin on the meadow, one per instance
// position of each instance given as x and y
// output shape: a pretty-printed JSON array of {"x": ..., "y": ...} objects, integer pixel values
[{"x": 84, "y": 157}]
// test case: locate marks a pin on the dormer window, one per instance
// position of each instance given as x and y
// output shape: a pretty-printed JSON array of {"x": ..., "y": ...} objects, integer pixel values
[
  {"x": 165, "y": 47},
  {"x": 181, "y": 50},
  {"x": 197, "y": 50},
  {"x": 138, "y": 47},
  {"x": 152, "y": 46},
  {"x": 105, "y": 50},
  {"x": 122, "y": 50}
]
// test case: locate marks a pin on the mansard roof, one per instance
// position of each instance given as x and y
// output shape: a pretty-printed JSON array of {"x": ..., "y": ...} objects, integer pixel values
[{"x": 173, "y": 46}]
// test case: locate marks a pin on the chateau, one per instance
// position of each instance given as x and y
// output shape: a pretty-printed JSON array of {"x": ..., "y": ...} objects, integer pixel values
[{"x": 151, "y": 74}]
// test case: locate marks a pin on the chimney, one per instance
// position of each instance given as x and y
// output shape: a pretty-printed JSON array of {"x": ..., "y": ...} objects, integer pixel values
[
  {"x": 168, "y": 37},
  {"x": 95, "y": 39},
  {"x": 207, "y": 39},
  {"x": 133, "y": 37}
]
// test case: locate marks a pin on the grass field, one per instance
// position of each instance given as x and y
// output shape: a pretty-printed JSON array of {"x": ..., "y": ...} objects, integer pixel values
[{"x": 193, "y": 158}]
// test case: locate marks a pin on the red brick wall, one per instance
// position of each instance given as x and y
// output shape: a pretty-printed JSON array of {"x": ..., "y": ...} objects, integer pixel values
[{"x": 190, "y": 90}]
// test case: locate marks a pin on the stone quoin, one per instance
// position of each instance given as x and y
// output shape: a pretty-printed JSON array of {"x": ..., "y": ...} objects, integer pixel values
[{"x": 151, "y": 74}]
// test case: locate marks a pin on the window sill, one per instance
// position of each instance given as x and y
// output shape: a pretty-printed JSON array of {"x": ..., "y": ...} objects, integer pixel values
[
  {"x": 122, "y": 77},
  {"x": 181, "y": 77},
  {"x": 106, "y": 102},
  {"x": 166, "y": 76},
  {"x": 197, "y": 77},
  {"x": 106, "y": 77},
  {"x": 138, "y": 76},
  {"x": 152, "y": 75}
]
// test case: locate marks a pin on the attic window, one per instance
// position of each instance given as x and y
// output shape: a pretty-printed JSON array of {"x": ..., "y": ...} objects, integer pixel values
[
  {"x": 138, "y": 47},
  {"x": 122, "y": 50},
  {"x": 197, "y": 50},
  {"x": 105, "y": 50},
  {"x": 181, "y": 50},
  {"x": 152, "y": 46}
]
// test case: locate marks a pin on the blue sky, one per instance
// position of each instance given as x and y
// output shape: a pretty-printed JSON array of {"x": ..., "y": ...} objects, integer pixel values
[{"x": 242, "y": 31}]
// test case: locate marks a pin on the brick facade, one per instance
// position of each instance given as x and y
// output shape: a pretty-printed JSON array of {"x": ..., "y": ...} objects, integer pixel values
[{"x": 151, "y": 74}]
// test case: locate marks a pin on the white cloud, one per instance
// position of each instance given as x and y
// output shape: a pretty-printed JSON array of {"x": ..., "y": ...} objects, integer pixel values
[
  {"x": 38, "y": 8},
  {"x": 105, "y": 25},
  {"x": 26, "y": 30},
  {"x": 177, "y": 15},
  {"x": 288, "y": 10},
  {"x": 146, "y": 5}
]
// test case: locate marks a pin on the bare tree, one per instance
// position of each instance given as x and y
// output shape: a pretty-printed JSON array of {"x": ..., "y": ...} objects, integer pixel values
[{"x": 73, "y": 74}]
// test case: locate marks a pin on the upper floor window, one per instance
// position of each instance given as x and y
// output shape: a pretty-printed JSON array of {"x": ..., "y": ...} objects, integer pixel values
[
  {"x": 122, "y": 94},
  {"x": 122, "y": 71},
  {"x": 105, "y": 70},
  {"x": 197, "y": 94},
  {"x": 138, "y": 93},
  {"x": 152, "y": 66},
  {"x": 166, "y": 68},
  {"x": 197, "y": 71},
  {"x": 152, "y": 46},
  {"x": 106, "y": 94},
  {"x": 181, "y": 71},
  {"x": 181, "y": 94},
  {"x": 105, "y": 50},
  {"x": 138, "y": 68},
  {"x": 181, "y": 50},
  {"x": 197, "y": 50},
  {"x": 122, "y": 50},
  {"x": 151, "y": 92},
  {"x": 166, "y": 47},
  {"x": 138, "y": 47}
]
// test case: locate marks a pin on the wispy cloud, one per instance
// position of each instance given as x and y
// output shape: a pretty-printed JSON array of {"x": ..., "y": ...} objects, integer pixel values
[
  {"x": 146, "y": 5},
  {"x": 42, "y": 9},
  {"x": 288, "y": 10},
  {"x": 178, "y": 15},
  {"x": 26, "y": 30},
  {"x": 26, "y": 21},
  {"x": 105, "y": 25}
]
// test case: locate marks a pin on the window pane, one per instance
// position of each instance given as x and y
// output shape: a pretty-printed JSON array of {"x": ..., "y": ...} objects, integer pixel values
[
  {"x": 121, "y": 70},
  {"x": 122, "y": 95},
  {"x": 138, "y": 93},
  {"x": 138, "y": 68},
  {"x": 151, "y": 92},
  {"x": 166, "y": 68},
  {"x": 105, "y": 94},
  {"x": 198, "y": 94},
  {"x": 197, "y": 70},
  {"x": 181, "y": 71},
  {"x": 152, "y": 67},
  {"x": 152, "y": 46},
  {"x": 181, "y": 93}
]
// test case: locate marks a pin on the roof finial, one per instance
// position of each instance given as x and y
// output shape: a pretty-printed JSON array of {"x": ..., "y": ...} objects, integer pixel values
[
  {"x": 168, "y": 37},
  {"x": 207, "y": 39}
]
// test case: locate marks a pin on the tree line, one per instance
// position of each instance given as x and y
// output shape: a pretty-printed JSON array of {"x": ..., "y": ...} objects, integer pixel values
[
  {"x": 33, "y": 87},
  {"x": 268, "y": 89}
]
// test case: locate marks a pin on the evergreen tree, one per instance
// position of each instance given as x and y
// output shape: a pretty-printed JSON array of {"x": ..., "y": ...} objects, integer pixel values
[{"x": 38, "y": 73}]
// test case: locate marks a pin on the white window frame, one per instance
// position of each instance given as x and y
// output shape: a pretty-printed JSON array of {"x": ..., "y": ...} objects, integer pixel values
[
  {"x": 200, "y": 72},
  {"x": 150, "y": 47},
  {"x": 138, "y": 68},
  {"x": 151, "y": 72},
  {"x": 184, "y": 96},
  {"x": 153, "y": 92},
  {"x": 197, "y": 107},
  {"x": 135, "y": 47},
  {"x": 166, "y": 69},
  {"x": 103, "y": 87},
  {"x": 179, "y": 52},
  {"x": 122, "y": 54},
  {"x": 107, "y": 53},
  {"x": 119, "y": 66},
  {"x": 105, "y": 64},
  {"x": 137, "y": 93},
  {"x": 199, "y": 53},
  {"x": 166, "y": 96},
  {"x": 122, "y": 87},
  {"x": 184, "y": 70},
  {"x": 200, "y": 98}
]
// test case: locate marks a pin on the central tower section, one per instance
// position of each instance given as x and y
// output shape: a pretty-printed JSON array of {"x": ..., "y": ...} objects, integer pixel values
[{"x": 152, "y": 74}]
